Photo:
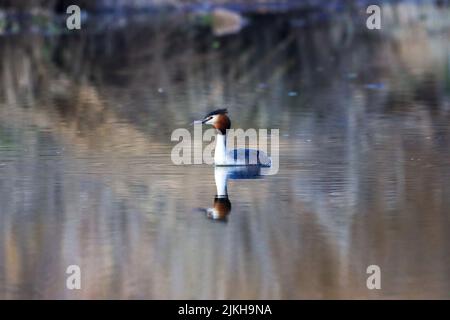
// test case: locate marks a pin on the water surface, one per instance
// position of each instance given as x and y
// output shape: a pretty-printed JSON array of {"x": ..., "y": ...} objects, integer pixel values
[{"x": 86, "y": 176}]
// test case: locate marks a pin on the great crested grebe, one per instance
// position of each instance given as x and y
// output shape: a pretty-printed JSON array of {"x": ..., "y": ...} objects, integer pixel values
[{"x": 235, "y": 157}]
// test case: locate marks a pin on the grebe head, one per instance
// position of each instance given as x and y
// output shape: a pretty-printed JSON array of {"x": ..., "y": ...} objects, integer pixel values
[{"x": 218, "y": 119}]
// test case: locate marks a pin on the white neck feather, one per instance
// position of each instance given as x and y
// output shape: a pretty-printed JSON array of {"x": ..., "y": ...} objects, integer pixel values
[{"x": 221, "y": 149}]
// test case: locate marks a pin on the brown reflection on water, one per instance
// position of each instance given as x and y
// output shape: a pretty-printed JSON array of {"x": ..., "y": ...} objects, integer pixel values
[{"x": 86, "y": 176}]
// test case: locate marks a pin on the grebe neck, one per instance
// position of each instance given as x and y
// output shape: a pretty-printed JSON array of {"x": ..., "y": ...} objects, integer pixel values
[{"x": 221, "y": 149}]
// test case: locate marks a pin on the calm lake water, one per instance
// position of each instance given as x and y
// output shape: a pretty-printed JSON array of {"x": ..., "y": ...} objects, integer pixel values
[{"x": 86, "y": 176}]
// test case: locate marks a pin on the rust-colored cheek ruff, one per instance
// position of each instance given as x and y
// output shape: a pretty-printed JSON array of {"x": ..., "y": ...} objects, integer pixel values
[{"x": 222, "y": 123}]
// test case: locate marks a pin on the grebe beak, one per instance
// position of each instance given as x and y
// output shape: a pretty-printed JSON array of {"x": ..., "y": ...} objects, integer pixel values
[{"x": 207, "y": 120}]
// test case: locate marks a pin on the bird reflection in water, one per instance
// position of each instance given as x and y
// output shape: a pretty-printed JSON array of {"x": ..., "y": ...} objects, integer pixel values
[{"x": 222, "y": 204}]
